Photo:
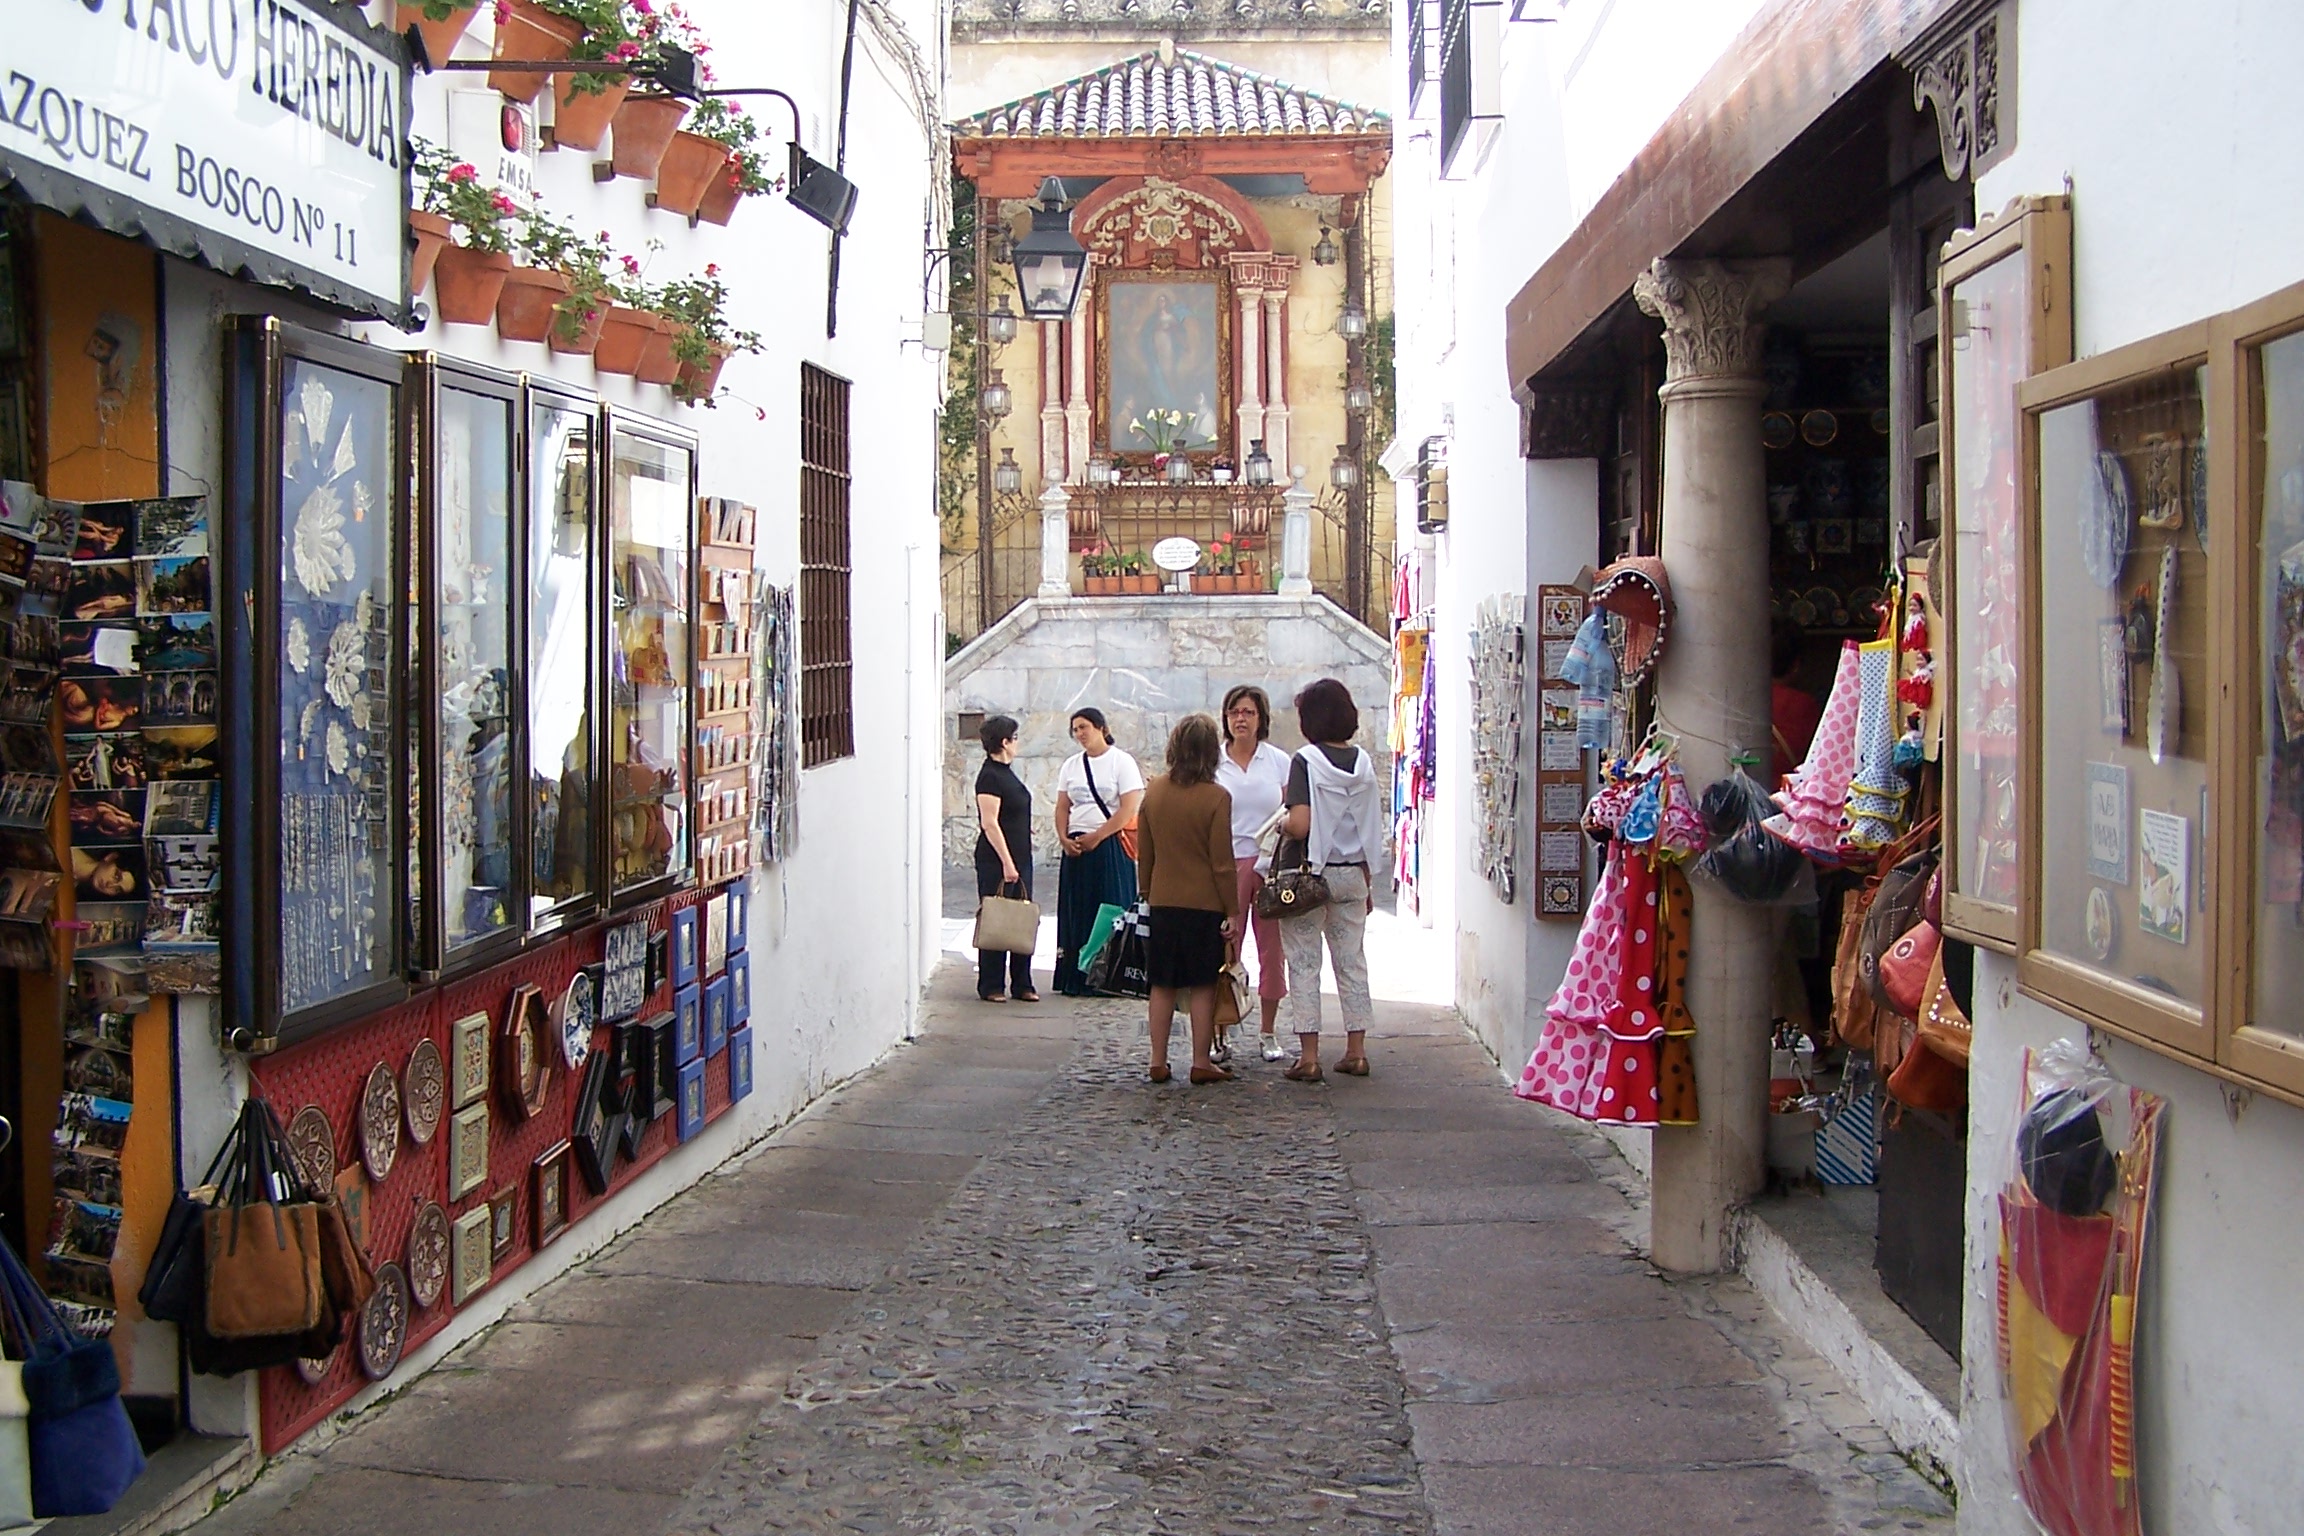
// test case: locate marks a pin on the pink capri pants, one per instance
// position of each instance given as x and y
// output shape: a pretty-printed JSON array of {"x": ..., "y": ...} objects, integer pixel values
[{"x": 1271, "y": 964}]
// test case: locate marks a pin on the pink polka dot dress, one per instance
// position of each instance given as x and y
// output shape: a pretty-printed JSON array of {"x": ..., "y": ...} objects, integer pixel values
[{"x": 1597, "y": 1056}]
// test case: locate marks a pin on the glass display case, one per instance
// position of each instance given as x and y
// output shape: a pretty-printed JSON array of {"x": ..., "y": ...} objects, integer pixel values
[
  {"x": 2119, "y": 838},
  {"x": 651, "y": 536},
  {"x": 470, "y": 435},
  {"x": 314, "y": 707},
  {"x": 564, "y": 874},
  {"x": 2006, "y": 315}
]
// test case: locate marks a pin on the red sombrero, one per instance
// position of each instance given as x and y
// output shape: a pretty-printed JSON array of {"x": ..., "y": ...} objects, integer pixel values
[{"x": 1637, "y": 591}]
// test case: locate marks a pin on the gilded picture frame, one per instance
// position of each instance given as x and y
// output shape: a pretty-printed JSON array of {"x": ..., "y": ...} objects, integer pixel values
[{"x": 1118, "y": 354}]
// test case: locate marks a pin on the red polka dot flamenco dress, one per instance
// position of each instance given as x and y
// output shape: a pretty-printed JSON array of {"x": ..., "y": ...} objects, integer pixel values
[{"x": 1598, "y": 1056}]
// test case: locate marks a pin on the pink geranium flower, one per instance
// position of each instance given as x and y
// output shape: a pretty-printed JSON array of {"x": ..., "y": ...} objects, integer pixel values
[{"x": 458, "y": 175}]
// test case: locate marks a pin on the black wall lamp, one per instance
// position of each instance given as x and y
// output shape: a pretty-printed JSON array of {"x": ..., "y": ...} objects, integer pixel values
[
  {"x": 812, "y": 186},
  {"x": 1049, "y": 261}
]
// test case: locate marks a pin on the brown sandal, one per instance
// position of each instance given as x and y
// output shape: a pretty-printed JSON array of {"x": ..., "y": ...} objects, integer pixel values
[
  {"x": 1210, "y": 1075},
  {"x": 1297, "y": 1072},
  {"x": 1353, "y": 1066},
  {"x": 1160, "y": 1073}
]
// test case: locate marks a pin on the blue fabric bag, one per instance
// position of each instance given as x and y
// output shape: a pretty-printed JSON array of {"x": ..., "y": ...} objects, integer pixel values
[{"x": 84, "y": 1450}]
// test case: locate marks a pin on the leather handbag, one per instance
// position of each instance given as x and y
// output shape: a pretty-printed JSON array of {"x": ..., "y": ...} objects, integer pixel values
[
  {"x": 1293, "y": 888},
  {"x": 1233, "y": 995},
  {"x": 1894, "y": 912},
  {"x": 1944, "y": 1029},
  {"x": 1008, "y": 924},
  {"x": 263, "y": 1244},
  {"x": 1911, "y": 963}
]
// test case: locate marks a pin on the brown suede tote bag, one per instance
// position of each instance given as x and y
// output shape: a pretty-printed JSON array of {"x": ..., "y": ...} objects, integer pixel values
[{"x": 263, "y": 1243}]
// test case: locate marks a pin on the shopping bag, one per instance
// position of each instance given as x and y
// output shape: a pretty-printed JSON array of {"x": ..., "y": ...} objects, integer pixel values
[
  {"x": 15, "y": 1449},
  {"x": 1008, "y": 924},
  {"x": 1107, "y": 917},
  {"x": 79, "y": 1446},
  {"x": 1234, "y": 997},
  {"x": 1123, "y": 966},
  {"x": 264, "y": 1276}
]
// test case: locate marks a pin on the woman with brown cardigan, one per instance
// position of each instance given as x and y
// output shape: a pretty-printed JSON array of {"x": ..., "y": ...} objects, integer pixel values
[{"x": 1184, "y": 868}]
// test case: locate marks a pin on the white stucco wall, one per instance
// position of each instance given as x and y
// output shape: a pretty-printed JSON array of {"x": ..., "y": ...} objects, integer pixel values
[
  {"x": 843, "y": 933},
  {"x": 2179, "y": 212}
]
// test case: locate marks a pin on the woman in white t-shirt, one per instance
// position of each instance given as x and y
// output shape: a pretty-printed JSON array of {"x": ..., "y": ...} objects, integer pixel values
[
  {"x": 1335, "y": 808},
  {"x": 1256, "y": 774},
  {"x": 1097, "y": 793}
]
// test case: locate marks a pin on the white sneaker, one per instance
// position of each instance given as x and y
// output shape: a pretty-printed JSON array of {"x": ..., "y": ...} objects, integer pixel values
[{"x": 1272, "y": 1051}]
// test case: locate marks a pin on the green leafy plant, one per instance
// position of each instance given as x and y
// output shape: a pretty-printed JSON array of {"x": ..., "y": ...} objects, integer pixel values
[
  {"x": 1223, "y": 555},
  {"x": 611, "y": 33},
  {"x": 698, "y": 307},
  {"x": 1161, "y": 426},
  {"x": 441, "y": 10},
  {"x": 453, "y": 189},
  {"x": 726, "y": 123},
  {"x": 545, "y": 241}
]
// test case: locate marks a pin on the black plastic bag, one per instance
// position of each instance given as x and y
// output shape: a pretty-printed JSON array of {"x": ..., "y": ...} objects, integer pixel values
[
  {"x": 1123, "y": 968},
  {"x": 1749, "y": 862}
]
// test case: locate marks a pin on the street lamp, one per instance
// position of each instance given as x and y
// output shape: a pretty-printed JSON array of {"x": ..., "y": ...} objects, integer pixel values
[
  {"x": 1343, "y": 470},
  {"x": 1179, "y": 469},
  {"x": 1259, "y": 465},
  {"x": 1000, "y": 323},
  {"x": 1324, "y": 254},
  {"x": 1007, "y": 475},
  {"x": 996, "y": 401},
  {"x": 1359, "y": 399},
  {"x": 1049, "y": 262},
  {"x": 1352, "y": 321}
]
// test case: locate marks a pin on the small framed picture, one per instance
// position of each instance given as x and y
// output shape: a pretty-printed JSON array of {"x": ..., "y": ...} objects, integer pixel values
[
  {"x": 2112, "y": 676},
  {"x": 739, "y": 910},
  {"x": 468, "y": 1150},
  {"x": 664, "y": 1077},
  {"x": 503, "y": 1224},
  {"x": 684, "y": 955},
  {"x": 716, "y": 1021},
  {"x": 715, "y": 934},
  {"x": 2108, "y": 822},
  {"x": 471, "y": 1262},
  {"x": 739, "y": 989},
  {"x": 688, "y": 1024},
  {"x": 691, "y": 1100},
  {"x": 2164, "y": 899},
  {"x": 548, "y": 1196},
  {"x": 739, "y": 1064},
  {"x": 467, "y": 1060}
]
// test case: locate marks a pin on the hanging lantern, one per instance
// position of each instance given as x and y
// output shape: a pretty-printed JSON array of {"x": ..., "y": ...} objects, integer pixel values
[
  {"x": 1049, "y": 261},
  {"x": 1007, "y": 475},
  {"x": 1000, "y": 324},
  {"x": 1259, "y": 465},
  {"x": 1179, "y": 469},
  {"x": 1352, "y": 322},
  {"x": 1324, "y": 254},
  {"x": 996, "y": 400},
  {"x": 1344, "y": 470},
  {"x": 1359, "y": 399}
]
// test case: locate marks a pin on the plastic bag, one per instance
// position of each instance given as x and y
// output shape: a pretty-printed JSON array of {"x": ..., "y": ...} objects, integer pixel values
[
  {"x": 1749, "y": 862},
  {"x": 1122, "y": 968},
  {"x": 2074, "y": 1210}
]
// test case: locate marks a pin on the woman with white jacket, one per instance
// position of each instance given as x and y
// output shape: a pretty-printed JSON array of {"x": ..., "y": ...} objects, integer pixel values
[{"x": 1334, "y": 808}]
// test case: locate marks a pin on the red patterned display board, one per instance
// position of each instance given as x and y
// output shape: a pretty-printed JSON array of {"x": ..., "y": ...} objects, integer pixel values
[{"x": 331, "y": 1072}]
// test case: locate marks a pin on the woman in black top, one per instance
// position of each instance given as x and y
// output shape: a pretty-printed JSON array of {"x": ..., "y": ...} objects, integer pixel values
[{"x": 1003, "y": 853}]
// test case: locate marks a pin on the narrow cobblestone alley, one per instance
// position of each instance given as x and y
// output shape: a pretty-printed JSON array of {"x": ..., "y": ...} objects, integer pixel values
[{"x": 1002, "y": 1284}]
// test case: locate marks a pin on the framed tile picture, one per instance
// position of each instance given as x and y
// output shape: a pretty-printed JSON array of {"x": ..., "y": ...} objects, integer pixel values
[
  {"x": 548, "y": 1193},
  {"x": 692, "y": 1099},
  {"x": 715, "y": 933},
  {"x": 684, "y": 956},
  {"x": 503, "y": 1224},
  {"x": 739, "y": 910},
  {"x": 688, "y": 1024},
  {"x": 739, "y": 989},
  {"x": 739, "y": 1064},
  {"x": 664, "y": 1042},
  {"x": 467, "y": 1059},
  {"x": 470, "y": 1262},
  {"x": 468, "y": 1150},
  {"x": 716, "y": 1020}
]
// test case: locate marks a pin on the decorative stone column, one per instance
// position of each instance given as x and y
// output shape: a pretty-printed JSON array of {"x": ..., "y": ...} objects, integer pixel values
[
  {"x": 1249, "y": 352},
  {"x": 1712, "y": 692},
  {"x": 1276, "y": 361},
  {"x": 1296, "y": 538},
  {"x": 1053, "y": 466},
  {"x": 1055, "y": 542},
  {"x": 1078, "y": 421}
]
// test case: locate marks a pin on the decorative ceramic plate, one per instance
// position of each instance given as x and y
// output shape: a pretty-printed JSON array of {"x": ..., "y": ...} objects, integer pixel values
[
  {"x": 1818, "y": 428},
  {"x": 312, "y": 1142},
  {"x": 424, "y": 1092},
  {"x": 2100, "y": 932},
  {"x": 2104, "y": 521},
  {"x": 428, "y": 1254},
  {"x": 384, "y": 1323},
  {"x": 312, "y": 1369},
  {"x": 380, "y": 1121},
  {"x": 578, "y": 1013},
  {"x": 1777, "y": 430}
]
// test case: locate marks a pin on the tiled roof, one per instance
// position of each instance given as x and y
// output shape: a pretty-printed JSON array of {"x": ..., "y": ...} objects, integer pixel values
[{"x": 1195, "y": 95}]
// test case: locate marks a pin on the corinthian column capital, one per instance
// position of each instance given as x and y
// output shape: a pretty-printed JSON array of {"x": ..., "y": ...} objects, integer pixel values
[{"x": 1710, "y": 312}]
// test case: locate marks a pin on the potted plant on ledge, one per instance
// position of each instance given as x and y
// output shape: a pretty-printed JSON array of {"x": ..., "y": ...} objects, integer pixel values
[
  {"x": 439, "y": 22},
  {"x": 469, "y": 274},
  {"x": 702, "y": 338},
  {"x": 559, "y": 294},
  {"x": 1230, "y": 568},
  {"x": 746, "y": 173},
  {"x": 538, "y": 30},
  {"x": 632, "y": 327}
]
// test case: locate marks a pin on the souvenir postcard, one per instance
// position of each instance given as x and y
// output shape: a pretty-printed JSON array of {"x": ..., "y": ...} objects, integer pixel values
[
  {"x": 2164, "y": 901},
  {"x": 106, "y": 818},
  {"x": 179, "y": 698},
  {"x": 176, "y": 526},
  {"x": 88, "y": 650},
  {"x": 100, "y": 703},
  {"x": 100, "y": 589},
  {"x": 28, "y": 895},
  {"x": 173, "y": 917},
  {"x": 58, "y": 527},
  {"x": 177, "y": 585},
  {"x": 105, "y": 762},
  {"x": 183, "y": 808},
  {"x": 184, "y": 642},
  {"x": 109, "y": 928},
  {"x": 181, "y": 752},
  {"x": 107, "y": 531},
  {"x": 181, "y": 864},
  {"x": 109, "y": 874}
]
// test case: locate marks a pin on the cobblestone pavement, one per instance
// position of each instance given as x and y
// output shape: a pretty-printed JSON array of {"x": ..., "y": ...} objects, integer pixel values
[{"x": 1003, "y": 1285}]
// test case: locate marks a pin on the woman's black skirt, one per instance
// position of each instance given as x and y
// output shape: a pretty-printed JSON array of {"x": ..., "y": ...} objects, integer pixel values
[
  {"x": 1186, "y": 947},
  {"x": 1103, "y": 874}
]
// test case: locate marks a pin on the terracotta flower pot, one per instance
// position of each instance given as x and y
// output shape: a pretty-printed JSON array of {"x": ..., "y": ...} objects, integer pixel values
[
  {"x": 429, "y": 232},
  {"x": 644, "y": 128},
  {"x": 587, "y": 338},
  {"x": 624, "y": 335},
  {"x": 440, "y": 37},
  {"x": 531, "y": 32},
  {"x": 524, "y": 312},
  {"x": 1101, "y": 586},
  {"x": 467, "y": 283},
  {"x": 580, "y": 118},
  {"x": 721, "y": 197},
  {"x": 690, "y": 165},
  {"x": 659, "y": 363},
  {"x": 698, "y": 383}
]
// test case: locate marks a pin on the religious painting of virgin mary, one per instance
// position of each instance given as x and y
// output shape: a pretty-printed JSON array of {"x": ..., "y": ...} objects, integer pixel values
[{"x": 1164, "y": 383}]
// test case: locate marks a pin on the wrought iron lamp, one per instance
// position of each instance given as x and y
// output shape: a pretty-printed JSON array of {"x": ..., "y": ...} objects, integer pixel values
[
  {"x": 1258, "y": 467},
  {"x": 1049, "y": 261},
  {"x": 1343, "y": 470},
  {"x": 996, "y": 402},
  {"x": 1352, "y": 321},
  {"x": 1007, "y": 475},
  {"x": 1324, "y": 253},
  {"x": 1000, "y": 322},
  {"x": 1099, "y": 470},
  {"x": 1359, "y": 399},
  {"x": 1179, "y": 469}
]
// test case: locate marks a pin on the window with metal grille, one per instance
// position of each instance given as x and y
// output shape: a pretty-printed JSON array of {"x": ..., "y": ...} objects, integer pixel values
[
  {"x": 827, "y": 656},
  {"x": 1419, "y": 53},
  {"x": 1455, "y": 75}
]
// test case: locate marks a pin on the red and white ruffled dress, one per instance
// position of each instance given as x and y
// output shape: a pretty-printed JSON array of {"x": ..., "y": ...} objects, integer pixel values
[{"x": 1597, "y": 1056}]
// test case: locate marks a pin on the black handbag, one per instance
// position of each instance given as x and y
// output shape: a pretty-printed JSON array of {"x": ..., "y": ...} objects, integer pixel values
[
  {"x": 1293, "y": 887},
  {"x": 1123, "y": 967}
]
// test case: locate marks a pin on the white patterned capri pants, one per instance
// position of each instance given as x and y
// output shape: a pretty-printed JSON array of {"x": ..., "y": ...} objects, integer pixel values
[{"x": 1343, "y": 923}]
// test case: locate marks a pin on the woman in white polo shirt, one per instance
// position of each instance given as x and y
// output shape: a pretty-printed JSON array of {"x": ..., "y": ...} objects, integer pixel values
[
  {"x": 1097, "y": 792},
  {"x": 1256, "y": 774}
]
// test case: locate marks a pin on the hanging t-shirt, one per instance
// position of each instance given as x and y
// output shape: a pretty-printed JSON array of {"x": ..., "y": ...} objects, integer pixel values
[{"x": 1116, "y": 775}]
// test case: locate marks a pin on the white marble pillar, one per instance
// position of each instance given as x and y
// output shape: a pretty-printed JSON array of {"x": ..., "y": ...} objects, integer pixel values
[
  {"x": 1712, "y": 690},
  {"x": 1055, "y": 542},
  {"x": 1276, "y": 365},
  {"x": 1054, "y": 469},
  {"x": 1249, "y": 350},
  {"x": 1078, "y": 417},
  {"x": 1296, "y": 539}
]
